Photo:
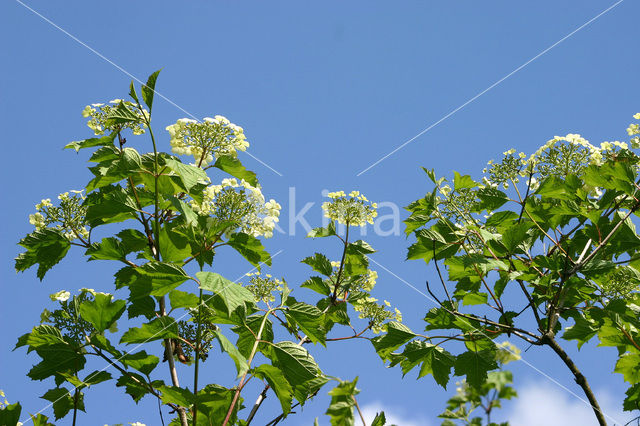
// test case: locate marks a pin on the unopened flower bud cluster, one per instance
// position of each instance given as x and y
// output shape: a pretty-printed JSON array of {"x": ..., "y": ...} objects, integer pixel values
[
  {"x": 353, "y": 209},
  {"x": 68, "y": 217},
  {"x": 206, "y": 140},
  {"x": 98, "y": 114},
  {"x": 263, "y": 287},
  {"x": 240, "y": 203},
  {"x": 377, "y": 314}
]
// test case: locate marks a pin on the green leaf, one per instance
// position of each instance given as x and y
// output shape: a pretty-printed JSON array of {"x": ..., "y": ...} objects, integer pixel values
[
  {"x": 10, "y": 414},
  {"x": 475, "y": 366},
  {"x": 297, "y": 365},
  {"x": 109, "y": 248},
  {"x": 397, "y": 335},
  {"x": 490, "y": 199},
  {"x": 128, "y": 163},
  {"x": 318, "y": 285},
  {"x": 152, "y": 278},
  {"x": 45, "y": 248},
  {"x": 214, "y": 402},
  {"x": 553, "y": 187},
  {"x": 319, "y": 263},
  {"x": 323, "y": 232},
  {"x": 173, "y": 246},
  {"x": 89, "y": 143},
  {"x": 41, "y": 420},
  {"x": 473, "y": 298},
  {"x": 356, "y": 262},
  {"x": 62, "y": 401},
  {"x": 515, "y": 235},
  {"x": 629, "y": 366},
  {"x": 176, "y": 395},
  {"x": 135, "y": 387},
  {"x": 310, "y": 320},
  {"x": 121, "y": 114},
  {"x": 148, "y": 89},
  {"x": 41, "y": 335},
  {"x": 140, "y": 361},
  {"x": 632, "y": 401},
  {"x": 233, "y": 294},
  {"x": 190, "y": 217},
  {"x": 582, "y": 331},
  {"x": 278, "y": 383},
  {"x": 182, "y": 299},
  {"x": 102, "y": 312},
  {"x": 111, "y": 204},
  {"x": 234, "y": 167},
  {"x": 189, "y": 175},
  {"x": 502, "y": 218},
  {"x": 238, "y": 359},
  {"x": 435, "y": 361},
  {"x": 95, "y": 377},
  {"x": 132, "y": 92},
  {"x": 56, "y": 358},
  {"x": 158, "y": 329},
  {"x": 342, "y": 403},
  {"x": 105, "y": 154},
  {"x": 248, "y": 331},
  {"x": 462, "y": 182},
  {"x": 380, "y": 419},
  {"x": 360, "y": 246},
  {"x": 250, "y": 248},
  {"x": 101, "y": 342}
]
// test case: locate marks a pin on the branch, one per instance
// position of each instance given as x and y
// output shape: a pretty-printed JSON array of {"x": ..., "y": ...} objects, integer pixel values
[
  {"x": 591, "y": 255},
  {"x": 548, "y": 340},
  {"x": 256, "y": 406},
  {"x": 435, "y": 261},
  {"x": 149, "y": 386},
  {"x": 358, "y": 408},
  {"x": 244, "y": 376},
  {"x": 507, "y": 328},
  {"x": 339, "y": 276}
]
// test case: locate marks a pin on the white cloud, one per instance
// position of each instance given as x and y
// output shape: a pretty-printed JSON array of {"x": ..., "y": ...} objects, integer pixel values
[
  {"x": 550, "y": 405},
  {"x": 394, "y": 416}
]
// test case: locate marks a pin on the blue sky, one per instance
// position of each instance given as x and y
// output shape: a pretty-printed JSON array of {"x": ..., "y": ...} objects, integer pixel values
[{"x": 322, "y": 91}]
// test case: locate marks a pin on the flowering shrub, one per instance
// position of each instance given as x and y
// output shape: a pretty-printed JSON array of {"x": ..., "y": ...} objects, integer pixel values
[
  {"x": 168, "y": 222},
  {"x": 555, "y": 257}
]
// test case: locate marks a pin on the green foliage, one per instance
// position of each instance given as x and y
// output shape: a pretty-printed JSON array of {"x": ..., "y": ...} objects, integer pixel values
[
  {"x": 342, "y": 403},
  {"x": 45, "y": 248},
  {"x": 468, "y": 399},
  {"x": 158, "y": 214},
  {"x": 541, "y": 246}
]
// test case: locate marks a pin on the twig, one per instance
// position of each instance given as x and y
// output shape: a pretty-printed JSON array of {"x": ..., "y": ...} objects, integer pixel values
[
  {"x": 258, "y": 403},
  {"x": 359, "y": 412}
]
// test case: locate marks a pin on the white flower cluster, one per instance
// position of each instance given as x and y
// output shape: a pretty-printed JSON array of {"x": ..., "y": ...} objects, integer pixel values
[
  {"x": 595, "y": 153},
  {"x": 99, "y": 112},
  {"x": 3, "y": 401},
  {"x": 69, "y": 217},
  {"x": 212, "y": 138},
  {"x": 61, "y": 296},
  {"x": 242, "y": 204},
  {"x": 634, "y": 130},
  {"x": 353, "y": 210}
]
